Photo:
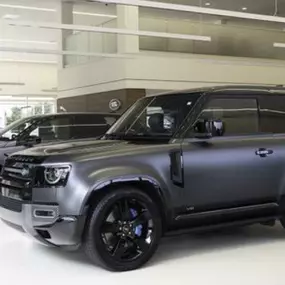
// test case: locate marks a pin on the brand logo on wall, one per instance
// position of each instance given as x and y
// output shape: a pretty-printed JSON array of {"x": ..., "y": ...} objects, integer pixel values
[{"x": 115, "y": 104}]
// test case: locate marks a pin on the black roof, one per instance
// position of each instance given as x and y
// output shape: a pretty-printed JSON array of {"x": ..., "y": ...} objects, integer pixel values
[
  {"x": 230, "y": 88},
  {"x": 74, "y": 113}
]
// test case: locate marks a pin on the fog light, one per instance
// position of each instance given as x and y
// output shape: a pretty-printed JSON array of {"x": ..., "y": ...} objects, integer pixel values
[{"x": 44, "y": 213}]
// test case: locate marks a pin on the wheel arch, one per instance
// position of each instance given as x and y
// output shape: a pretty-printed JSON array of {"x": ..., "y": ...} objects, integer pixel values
[{"x": 147, "y": 184}]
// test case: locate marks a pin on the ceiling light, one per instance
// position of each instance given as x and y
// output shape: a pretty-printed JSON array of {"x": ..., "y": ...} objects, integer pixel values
[
  {"x": 279, "y": 45},
  {"x": 208, "y": 4},
  {"x": 11, "y": 17},
  {"x": 50, "y": 90},
  {"x": 13, "y": 83},
  {"x": 27, "y": 7},
  {"x": 244, "y": 8},
  {"x": 94, "y": 14},
  {"x": 30, "y": 98},
  {"x": 27, "y": 61},
  {"x": 5, "y": 97},
  {"x": 28, "y": 41}
]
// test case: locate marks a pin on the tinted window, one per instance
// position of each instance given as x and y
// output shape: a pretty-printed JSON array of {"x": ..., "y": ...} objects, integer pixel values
[
  {"x": 155, "y": 116},
  {"x": 240, "y": 116},
  {"x": 272, "y": 114},
  {"x": 50, "y": 129},
  {"x": 91, "y": 125}
]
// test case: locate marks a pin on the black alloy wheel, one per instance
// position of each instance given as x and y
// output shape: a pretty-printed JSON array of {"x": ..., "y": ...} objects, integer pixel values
[{"x": 123, "y": 231}]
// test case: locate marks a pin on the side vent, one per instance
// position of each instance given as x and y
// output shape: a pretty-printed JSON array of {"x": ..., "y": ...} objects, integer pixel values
[{"x": 176, "y": 167}]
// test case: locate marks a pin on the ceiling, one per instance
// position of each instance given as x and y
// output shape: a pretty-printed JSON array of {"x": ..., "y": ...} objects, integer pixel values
[{"x": 95, "y": 14}]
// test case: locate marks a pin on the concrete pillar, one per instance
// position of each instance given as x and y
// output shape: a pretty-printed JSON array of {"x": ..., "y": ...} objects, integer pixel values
[
  {"x": 127, "y": 18},
  {"x": 64, "y": 16}
]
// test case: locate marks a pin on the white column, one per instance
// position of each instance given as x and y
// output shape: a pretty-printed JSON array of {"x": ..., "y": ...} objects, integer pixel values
[
  {"x": 64, "y": 16},
  {"x": 127, "y": 18}
]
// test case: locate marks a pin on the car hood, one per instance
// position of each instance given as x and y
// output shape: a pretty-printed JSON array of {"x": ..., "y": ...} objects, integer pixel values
[{"x": 91, "y": 149}]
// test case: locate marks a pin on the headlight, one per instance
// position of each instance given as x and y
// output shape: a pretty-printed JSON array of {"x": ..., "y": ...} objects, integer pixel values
[{"x": 56, "y": 175}]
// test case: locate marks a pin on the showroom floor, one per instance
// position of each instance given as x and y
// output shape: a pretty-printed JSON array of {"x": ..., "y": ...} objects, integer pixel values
[{"x": 254, "y": 255}]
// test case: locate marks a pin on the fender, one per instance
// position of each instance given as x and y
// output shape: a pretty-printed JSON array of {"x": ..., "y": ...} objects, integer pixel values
[{"x": 116, "y": 174}]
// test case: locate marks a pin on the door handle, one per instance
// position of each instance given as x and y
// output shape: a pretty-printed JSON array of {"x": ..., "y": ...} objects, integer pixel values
[{"x": 263, "y": 152}]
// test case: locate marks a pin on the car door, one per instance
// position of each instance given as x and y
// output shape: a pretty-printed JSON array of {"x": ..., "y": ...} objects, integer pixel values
[{"x": 230, "y": 171}]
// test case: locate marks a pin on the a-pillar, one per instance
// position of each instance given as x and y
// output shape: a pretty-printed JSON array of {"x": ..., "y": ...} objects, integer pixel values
[
  {"x": 64, "y": 16},
  {"x": 127, "y": 18}
]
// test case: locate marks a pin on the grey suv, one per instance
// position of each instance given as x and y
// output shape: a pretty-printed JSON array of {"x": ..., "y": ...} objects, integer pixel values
[{"x": 196, "y": 159}]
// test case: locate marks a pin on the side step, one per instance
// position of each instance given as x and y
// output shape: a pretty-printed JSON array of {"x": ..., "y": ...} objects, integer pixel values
[{"x": 204, "y": 228}]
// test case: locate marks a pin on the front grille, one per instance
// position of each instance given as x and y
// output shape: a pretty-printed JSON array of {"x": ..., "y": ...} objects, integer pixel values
[{"x": 16, "y": 184}]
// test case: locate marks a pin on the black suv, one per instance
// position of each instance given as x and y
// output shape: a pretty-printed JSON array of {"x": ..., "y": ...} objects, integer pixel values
[
  {"x": 53, "y": 128},
  {"x": 196, "y": 159}
]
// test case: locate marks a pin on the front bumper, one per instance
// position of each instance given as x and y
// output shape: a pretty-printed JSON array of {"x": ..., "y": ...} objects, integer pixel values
[{"x": 43, "y": 222}]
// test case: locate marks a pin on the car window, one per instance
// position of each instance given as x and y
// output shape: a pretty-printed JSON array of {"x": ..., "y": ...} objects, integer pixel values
[
  {"x": 53, "y": 128},
  {"x": 272, "y": 114},
  {"x": 160, "y": 116},
  {"x": 91, "y": 125},
  {"x": 238, "y": 115}
]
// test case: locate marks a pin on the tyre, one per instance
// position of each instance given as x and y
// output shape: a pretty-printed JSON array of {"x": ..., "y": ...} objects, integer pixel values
[{"x": 123, "y": 230}]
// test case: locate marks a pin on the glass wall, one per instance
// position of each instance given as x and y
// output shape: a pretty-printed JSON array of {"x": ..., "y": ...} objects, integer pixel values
[{"x": 14, "y": 108}]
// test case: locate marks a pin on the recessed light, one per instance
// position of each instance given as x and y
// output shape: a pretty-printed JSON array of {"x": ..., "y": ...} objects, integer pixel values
[
  {"x": 244, "y": 8},
  {"x": 207, "y": 4},
  {"x": 27, "y": 41},
  {"x": 94, "y": 14},
  {"x": 27, "y": 7},
  {"x": 11, "y": 17}
]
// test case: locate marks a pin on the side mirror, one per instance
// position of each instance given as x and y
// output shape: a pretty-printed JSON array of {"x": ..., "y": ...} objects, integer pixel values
[{"x": 206, "y": 129}]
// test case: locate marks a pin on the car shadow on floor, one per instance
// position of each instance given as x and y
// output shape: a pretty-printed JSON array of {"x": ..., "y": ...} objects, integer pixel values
[
  {"x": 193, "y": 244},
  {"x": 186, "y": 245}
]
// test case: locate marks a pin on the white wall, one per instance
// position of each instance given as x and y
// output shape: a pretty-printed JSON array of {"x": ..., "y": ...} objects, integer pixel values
[
  {"x": 167, "y": 71},
  {"x": 37, "y": 77}
]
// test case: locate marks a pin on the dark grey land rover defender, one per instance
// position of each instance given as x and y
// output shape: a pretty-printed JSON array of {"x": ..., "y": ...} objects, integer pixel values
[{"x": 196, "y": 159}]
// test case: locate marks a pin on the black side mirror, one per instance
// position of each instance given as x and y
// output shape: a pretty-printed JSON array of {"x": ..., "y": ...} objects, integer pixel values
[{"x": 209, "y": 128}]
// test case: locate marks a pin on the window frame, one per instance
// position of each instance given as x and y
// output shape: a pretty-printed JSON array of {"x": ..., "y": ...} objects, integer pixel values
[
  {"x": 274, "y": 95},
  {"x": 207, "y": 97}
]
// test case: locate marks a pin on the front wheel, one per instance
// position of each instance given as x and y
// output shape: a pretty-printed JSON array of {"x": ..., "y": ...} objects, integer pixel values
[{"x": 123, "y": 230}]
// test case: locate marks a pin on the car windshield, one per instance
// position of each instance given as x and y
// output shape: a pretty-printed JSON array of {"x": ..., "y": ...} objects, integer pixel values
[
  {"x": 154, "y": 117},
  {"x": 14, "y": 129}
]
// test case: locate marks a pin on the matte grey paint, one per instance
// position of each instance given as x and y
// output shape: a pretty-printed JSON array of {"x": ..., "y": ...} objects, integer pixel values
[{"x": 219, "y": 173}]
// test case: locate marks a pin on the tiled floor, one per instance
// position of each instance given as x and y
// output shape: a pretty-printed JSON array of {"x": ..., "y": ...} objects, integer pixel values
[{"x": 254, "y": 255}]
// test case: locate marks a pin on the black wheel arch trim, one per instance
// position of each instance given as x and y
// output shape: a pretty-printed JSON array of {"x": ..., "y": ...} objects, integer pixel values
[{"x": 162, "y": 192}]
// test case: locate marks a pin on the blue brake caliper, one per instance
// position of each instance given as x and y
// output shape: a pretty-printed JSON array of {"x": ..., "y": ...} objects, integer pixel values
[{"x": 138, "y": 229}]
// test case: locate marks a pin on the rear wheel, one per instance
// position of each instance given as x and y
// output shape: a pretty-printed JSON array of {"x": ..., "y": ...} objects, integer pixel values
[{"x": 123, "y": 230}]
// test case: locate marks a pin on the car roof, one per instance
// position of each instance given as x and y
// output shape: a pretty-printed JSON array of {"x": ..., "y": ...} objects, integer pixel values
[
  {"x": 229, "y": 88},
  {"x": 73, "y": 113}
]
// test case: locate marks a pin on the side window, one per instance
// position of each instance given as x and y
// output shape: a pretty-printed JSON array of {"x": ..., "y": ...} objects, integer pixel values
[
  {"x": 272, "y": 114},
  {"x": 89, "y": 126},
  {"x": 239, "y": 116},
  {"x": 110, "y": 120},
  {"x": 55, "y": 128}
]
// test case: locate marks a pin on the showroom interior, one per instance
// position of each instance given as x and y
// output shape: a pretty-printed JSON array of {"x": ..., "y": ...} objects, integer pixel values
[{"x": 102, "y": 56}]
